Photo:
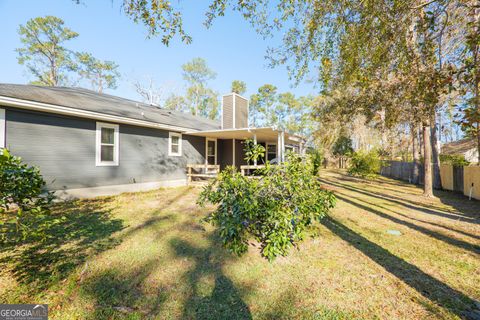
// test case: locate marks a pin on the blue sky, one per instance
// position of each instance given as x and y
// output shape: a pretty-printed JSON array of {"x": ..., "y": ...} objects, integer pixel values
[{"x": 231, "y": 47}]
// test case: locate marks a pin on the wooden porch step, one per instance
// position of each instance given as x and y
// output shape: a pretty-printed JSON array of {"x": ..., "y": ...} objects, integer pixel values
[{"x": 202, "y": 175}]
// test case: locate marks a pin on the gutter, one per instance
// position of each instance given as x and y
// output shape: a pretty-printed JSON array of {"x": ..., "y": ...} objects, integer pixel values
[{"x": 51, "y": 108}]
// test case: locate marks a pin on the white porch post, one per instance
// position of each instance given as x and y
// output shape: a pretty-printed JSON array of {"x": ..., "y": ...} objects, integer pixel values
[
  {"x": 206, "y": 152},
  {"x": 233, "y": 148},
  {"x": 279, "y": 147},
  {"x": 255, "y": 143},
  {"x": 283, "y": 146}
]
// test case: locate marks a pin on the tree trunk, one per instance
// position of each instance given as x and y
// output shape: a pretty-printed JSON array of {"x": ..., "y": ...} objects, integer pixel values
[
  {"x": 416, "y": 155},
  {"x": 427, "y": 162},
  {"x": 478, "y": 144},
  {"x": 437, "y": 179},
  {"x": 474, "y": 20},
  {"x": 420, "y": 143}
]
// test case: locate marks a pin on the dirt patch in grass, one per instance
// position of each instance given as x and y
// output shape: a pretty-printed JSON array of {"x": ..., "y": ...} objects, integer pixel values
[{"x": 149, "y": 255}]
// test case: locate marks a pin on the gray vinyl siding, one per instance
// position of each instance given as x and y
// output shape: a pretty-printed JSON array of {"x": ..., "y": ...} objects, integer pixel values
[
  {"x": 225, "y": 152},
  {"x": 64, "y": 150},
  {"x": 240, "y": 153},
  {"x": 220, "y": 151}
]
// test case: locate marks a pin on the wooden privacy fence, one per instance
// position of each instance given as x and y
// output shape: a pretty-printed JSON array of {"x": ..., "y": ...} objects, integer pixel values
[
  {"x": 454, "y": 178},
  {"x": 342, "y": 162},
  {"x": 471, "y": 181},
  {"x": 458, "y": 183},
  {"x": 203, "y": 171},
  {"x": 401, "y": 170}
]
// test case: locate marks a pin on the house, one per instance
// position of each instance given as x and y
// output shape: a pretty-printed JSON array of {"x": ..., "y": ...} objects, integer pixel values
[
  {"x": 89, "y": 144},
  {"x": 465, "y": 147}
]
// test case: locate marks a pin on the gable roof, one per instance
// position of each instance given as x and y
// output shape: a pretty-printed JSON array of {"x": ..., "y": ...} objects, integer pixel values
[
  {"x": 459, "y": 146},
  {"x": 91, "y": 101}
]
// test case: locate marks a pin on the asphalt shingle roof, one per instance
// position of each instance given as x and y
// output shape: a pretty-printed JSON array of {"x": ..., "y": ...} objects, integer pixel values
[
  {"x": 83, "y": 99},
  {"x": 459, "y": 146}
]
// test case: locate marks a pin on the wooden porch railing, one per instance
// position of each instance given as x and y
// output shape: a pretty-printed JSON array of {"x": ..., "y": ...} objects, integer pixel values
[
  {"x": 205, "y": 171},
  {"x": 243, "y": 169}
]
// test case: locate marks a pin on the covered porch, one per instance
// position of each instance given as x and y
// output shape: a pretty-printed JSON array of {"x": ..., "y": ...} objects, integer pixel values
[{"x": 225, "y": 147}]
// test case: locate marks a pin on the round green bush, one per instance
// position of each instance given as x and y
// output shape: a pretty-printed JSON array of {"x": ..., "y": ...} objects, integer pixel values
[{"x": 274, "y": 209}]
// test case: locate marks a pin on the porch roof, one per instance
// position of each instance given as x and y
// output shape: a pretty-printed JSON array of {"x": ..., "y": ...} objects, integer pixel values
[{"x": 264, "y": 134}]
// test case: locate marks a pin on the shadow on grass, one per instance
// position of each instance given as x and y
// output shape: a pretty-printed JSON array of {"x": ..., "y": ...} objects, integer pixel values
[
  {"x": 224, "y": 301},
  {"x": 71, "y": 233},
  {"x": 428, "y": 286},
  {"x": 461, "y": 203},
  {"x": 468, "y": 214},
  {"x": 118, "y": 294},
  {"x": 449, "y": 228},
  {"x": 439, "y": 236},
  {"x": 376, "y": 196}
]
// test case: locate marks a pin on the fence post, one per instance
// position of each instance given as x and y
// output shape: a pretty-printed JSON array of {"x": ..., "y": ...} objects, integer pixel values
[{"x": 189, "y": 176}]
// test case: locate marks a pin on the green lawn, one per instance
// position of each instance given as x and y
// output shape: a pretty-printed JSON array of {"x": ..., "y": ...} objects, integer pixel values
[{"x": 148, "y": 255}]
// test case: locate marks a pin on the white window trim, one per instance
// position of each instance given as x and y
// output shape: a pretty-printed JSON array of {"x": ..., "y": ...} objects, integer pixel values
[
  {"x": 116, "y": 145},
  {"x": 3, "y": 126},
  {"x": 174, "y": 154},
  {"x": 206, "y": 149},
  {"x": 266, "y": 151}
]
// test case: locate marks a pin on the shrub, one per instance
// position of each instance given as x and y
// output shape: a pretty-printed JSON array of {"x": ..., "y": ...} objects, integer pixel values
[
  {"x": 454, "y": 160},
  {"x": 364, "y": 164},
  {"x": 21, "y": 188},
  {"x": 316, "y": 157},
  {"x": 275, "y": 210},
  {"x": 253, "y": 151},
  {"x": 342, "y": 147}
]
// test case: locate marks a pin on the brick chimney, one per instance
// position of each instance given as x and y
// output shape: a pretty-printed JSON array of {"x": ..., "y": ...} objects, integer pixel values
[{"x": 234, "y": 111}]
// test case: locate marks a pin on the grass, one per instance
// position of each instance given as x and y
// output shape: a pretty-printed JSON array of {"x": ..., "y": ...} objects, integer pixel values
[{"x": 149, "y": 255}]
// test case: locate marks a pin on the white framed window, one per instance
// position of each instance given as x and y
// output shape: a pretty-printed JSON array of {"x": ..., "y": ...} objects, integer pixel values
[
  {"x": 107, "y": 144},
  {"x": 211, "y": 151},
  {"x": 174, "y": 144},
  {"x": 271, "y": 151},
  {"x": 3, "y": 126}
]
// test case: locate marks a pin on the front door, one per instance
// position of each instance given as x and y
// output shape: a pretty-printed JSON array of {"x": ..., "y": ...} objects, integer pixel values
[{"x": 211, "y": 151}]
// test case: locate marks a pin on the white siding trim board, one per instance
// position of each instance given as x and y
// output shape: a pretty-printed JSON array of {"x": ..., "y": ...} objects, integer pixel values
[
  {"x": 3, "y": 127},
  {"x": 234, "y": 111}
]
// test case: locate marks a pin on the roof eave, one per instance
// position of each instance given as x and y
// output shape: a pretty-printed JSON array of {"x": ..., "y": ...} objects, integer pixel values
[
  {"x": 296, "y": 138},
  {"x": 62, "y": 110}
]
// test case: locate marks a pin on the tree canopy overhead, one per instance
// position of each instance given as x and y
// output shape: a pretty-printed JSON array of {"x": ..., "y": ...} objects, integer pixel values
[
  {"x": 49, "y": 60},
  {"x": 239, "y": 87},
  {"x": 43, "y": 50},
  {"x": 101, "y": 74},
  {"x": 200, "y": 98},
  {"x": 394, "y": 62}
]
